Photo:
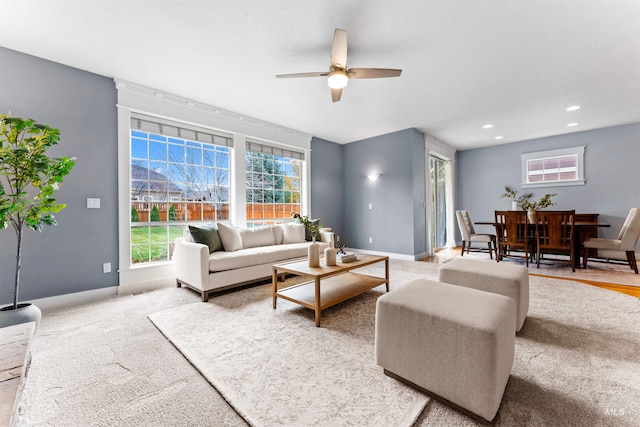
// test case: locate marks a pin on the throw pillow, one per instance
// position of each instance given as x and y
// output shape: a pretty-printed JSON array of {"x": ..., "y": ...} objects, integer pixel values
[
  {"x": 207, "y": 235},
  {"x": 230, "y": 237},
  {"x": 255, "y": 237},
  {"x": 293, "y": 233}
]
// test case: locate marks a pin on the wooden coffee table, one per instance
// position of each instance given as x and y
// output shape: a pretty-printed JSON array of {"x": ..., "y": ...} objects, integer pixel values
[{"x": 330, "y": 285}]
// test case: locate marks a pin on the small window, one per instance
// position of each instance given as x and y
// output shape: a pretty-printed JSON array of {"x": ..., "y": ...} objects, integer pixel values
[{"x": 553, "y": 168}]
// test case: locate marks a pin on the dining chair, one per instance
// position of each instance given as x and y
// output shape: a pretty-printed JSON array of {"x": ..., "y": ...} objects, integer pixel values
[
  {"x": 513, "y": 234},
  {"x": 622, "y": 247},
  {"x": 555, "y": 234},
  {"x": 469, "y": 234}
]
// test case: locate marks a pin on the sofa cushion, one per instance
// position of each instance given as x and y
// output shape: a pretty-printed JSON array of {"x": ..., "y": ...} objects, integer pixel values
[
  {"x": 255, "y": 237},
  {"x": 221, "y": 261},
  {"x": 207, "y": 235},
  {"x": 230, "y": 236},
  {"x": 293, "y": 233},
  {"x": 278, "y": 233}
]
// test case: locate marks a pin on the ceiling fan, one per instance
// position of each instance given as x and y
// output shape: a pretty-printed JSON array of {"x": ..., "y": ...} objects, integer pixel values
[{"x": 338, "y": 75}]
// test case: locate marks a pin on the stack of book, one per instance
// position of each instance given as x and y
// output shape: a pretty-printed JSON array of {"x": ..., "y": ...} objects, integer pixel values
[{"x": 346, "y": 257}]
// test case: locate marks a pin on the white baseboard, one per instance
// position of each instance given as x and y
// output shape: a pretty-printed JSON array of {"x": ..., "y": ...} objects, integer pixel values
[
  {"x": 136, "y": 288},
  {"x": 422, "y": 255},
  {"x": 146, "y": 277},
  {"x": 75, "y": 298},
  {"x": 389, "y": 254}
]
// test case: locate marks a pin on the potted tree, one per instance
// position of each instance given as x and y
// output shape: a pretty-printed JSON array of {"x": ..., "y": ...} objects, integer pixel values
[{"x": 28, "y": 179}]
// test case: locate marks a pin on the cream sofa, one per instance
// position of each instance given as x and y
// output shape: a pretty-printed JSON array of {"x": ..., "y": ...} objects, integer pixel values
[{"x": 244, "y": 256}]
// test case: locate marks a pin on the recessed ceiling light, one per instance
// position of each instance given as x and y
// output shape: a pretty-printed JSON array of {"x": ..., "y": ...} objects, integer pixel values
[
  {"x": 572, "y": 124},
  {"x": 499, "y": 137},
  {"x": 487, "y": 126},
  {"x": 573, "y": 108}
]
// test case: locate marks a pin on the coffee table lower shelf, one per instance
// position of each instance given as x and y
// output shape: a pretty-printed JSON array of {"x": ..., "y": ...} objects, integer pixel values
[{"x": 334, "y": 290}]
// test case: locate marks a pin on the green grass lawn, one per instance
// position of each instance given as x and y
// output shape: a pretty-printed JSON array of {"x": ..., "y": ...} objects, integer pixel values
[{"x": 153, "y": 243}]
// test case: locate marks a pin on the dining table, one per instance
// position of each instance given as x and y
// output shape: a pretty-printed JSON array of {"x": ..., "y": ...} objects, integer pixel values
[{"x": 585, "y": 226}]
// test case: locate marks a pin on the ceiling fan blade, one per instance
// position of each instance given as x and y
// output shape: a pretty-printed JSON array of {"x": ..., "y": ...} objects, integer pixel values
[
  {"x": 372, "y": 73},
  {"x": 295, "y": 75},
  {"x": 339, "y": 49},
  {"x": 336, "y": 94}
]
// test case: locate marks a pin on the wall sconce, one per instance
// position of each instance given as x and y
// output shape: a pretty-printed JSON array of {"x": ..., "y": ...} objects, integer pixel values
[{"x": 373, "y": 177}]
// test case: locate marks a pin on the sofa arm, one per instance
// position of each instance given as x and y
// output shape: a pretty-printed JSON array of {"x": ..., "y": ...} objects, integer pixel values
[
  {"x": 191, "y": 261},
  {"x": 327, "y": 236}
]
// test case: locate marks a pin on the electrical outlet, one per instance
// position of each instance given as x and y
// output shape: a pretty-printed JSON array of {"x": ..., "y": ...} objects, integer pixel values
[
  {"x": 370, "y": 206},
  {"x": 370, "y": 239},
  {"x": 106, "y": 267},
  {"x": 337, "y": 238}
]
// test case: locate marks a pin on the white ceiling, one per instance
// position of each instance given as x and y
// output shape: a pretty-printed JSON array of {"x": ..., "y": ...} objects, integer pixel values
[{"x": 515, "y": 64}]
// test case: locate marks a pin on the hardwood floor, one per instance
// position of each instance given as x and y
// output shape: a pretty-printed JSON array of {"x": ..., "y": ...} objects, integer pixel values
[{"x": 445, "y": 254}]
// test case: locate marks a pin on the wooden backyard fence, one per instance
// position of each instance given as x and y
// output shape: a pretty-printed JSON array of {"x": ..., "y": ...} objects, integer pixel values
[{"x": 195, "y": 211}]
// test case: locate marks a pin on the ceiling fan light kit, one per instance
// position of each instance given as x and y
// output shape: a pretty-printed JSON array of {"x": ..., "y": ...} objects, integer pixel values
[
  {"x": 339, "y": 75},
  {"x": 338, "y": 79}
]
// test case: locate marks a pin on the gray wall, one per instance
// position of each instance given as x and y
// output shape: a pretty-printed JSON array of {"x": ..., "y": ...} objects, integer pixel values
[
  {"x": 68, "y": 257},
  {"x": 396, "y": 222},
  {"x": 327, "y": 183},
  {"x": 611, "y": 168}
]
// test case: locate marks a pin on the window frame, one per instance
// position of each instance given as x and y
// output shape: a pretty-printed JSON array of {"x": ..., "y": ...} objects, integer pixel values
[
  {"x": 133, "y": 98},
  {"x": 577, "y": 151},
  {"x": 283, "y": 157},
  {"x": 184, "y": 203}
]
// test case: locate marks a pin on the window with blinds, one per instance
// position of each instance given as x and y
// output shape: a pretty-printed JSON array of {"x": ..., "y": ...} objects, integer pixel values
[
  {"x": 554, "y": 167},
  {"x": 273, "y": 183},
  {"x": 179, "y": 173}
]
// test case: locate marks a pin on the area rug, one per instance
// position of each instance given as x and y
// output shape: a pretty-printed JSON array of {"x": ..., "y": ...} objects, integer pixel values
[
  {"x": 275, "y": 367},
  {"x": 576, "y": 359}
]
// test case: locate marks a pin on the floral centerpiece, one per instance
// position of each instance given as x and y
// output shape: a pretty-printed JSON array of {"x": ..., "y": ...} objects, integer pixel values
[
  {"x": 524, "y": 201},
  {"x": 544, "y": 202}
]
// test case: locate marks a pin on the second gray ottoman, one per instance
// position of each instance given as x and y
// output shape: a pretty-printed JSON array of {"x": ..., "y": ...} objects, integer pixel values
[
  {"x": 501, "y": 278},
  {"x": 454, "y": 343}
]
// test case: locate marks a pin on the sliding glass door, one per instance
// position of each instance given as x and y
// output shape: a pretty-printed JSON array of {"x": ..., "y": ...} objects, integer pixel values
[{"x": 438, "y": 217}]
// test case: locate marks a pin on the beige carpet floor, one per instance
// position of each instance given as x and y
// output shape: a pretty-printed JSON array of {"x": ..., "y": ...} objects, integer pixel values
[{"x": 105, "y": 363}]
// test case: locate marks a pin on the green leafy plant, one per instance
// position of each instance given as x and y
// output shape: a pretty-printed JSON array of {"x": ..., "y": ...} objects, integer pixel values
[
  {"x": 510, "y": 193},
  {"x": 544, "y": 202},
  {"x": 28, "y": 179},
  {"x": 524, "y": 200},
  {"x": 314, "y": 228}
]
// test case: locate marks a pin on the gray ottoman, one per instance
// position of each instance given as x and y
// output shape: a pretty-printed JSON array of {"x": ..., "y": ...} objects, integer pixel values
[
  {"x": 501, "y": 278},
  {"x": 453, "y": 343}
]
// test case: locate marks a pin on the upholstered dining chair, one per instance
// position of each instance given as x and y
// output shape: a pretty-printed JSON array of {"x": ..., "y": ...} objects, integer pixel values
[
  {"x": 555, "y": 234},
  {"x": 469, "y": 234},
  {"x": 513, "y": 233},
  {"x": 624, "y": 247}
]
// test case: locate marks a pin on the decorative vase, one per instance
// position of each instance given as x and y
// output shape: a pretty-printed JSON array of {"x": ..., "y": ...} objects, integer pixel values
[
  {"x": 514, "y": 205},
  {"x": 533, "y": 216},
  {"x": 314, "y": 254},
  {"x": 26, "y": 312},
  {"x": 330, "y": 256}
]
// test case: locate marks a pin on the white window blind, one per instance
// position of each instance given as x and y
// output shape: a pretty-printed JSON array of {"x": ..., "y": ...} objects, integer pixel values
[
  {"x": 179, "y": 130},
  {"x": 257, "y": 147}
]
